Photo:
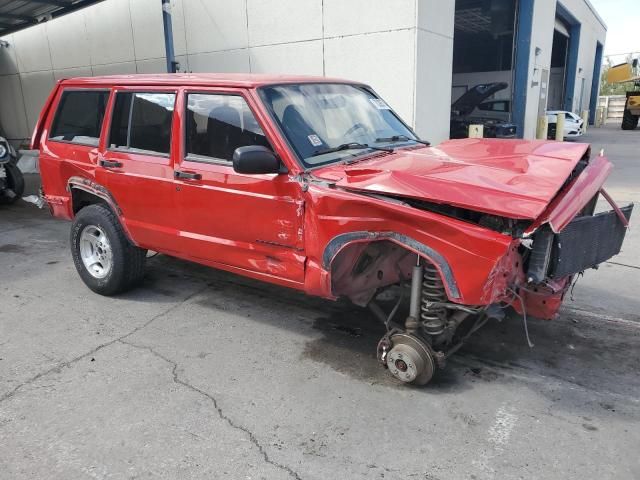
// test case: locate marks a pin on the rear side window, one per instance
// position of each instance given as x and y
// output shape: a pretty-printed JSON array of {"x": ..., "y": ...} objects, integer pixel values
[
  {"x": 142, "y": 122},
  {"x": 79, "y": 117}
]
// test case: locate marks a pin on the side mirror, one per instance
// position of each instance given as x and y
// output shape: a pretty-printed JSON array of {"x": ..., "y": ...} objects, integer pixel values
[{"x": 255, "y": 159}]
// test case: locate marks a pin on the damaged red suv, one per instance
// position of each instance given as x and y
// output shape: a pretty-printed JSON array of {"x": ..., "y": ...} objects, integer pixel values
[{"x": 316, "y": 184}]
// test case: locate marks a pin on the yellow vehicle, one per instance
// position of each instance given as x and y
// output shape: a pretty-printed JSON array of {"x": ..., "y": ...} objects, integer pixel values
[{"x": 628, "y": 72}]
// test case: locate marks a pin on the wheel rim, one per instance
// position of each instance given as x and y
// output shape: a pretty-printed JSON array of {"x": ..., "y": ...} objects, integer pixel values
[{"x": 95, "y": 251}]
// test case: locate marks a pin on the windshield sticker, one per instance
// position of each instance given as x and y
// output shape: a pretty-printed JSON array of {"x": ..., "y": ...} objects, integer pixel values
[
  {"x": 379, "y": 104},
  {"x": 315, "y": 140}
]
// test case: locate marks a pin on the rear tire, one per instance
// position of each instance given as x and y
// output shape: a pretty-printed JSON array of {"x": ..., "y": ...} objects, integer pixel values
[
  {"x": 105, "y": 259},
  {"x": 629, "y": 121},
  {"x": 15, "y": 183}
]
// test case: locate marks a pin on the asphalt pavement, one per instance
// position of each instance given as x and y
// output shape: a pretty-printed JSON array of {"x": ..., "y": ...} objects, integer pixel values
[{"x": 202, "y": 374}]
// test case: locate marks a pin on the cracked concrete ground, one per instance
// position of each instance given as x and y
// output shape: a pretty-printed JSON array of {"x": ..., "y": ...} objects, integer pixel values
[{"x": 203, "y": 374}]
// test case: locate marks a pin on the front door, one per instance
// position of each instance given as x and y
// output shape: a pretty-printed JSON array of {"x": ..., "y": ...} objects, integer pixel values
[
  {"x": 136, "y": 165},
  {"x": 250, "y": 223}
]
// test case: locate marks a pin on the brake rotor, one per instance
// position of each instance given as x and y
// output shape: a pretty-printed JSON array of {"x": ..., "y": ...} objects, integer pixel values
[{"x": 410, "y": 360}]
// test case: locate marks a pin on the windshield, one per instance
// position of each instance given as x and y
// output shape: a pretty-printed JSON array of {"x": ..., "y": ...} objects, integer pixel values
[{"x": 317, "y": 119}]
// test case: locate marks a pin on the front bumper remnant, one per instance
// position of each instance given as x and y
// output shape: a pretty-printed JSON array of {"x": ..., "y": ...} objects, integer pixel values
[
  {"x": 587, "y": 241},
  {"x": 584, "y": 243}
]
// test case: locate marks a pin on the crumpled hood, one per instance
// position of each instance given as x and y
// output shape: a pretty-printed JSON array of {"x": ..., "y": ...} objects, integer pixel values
[{"x": 510, "y": 178}]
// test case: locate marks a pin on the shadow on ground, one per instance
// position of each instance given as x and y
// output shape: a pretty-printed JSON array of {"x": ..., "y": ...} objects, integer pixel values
[{"x": 598, "y": 355}]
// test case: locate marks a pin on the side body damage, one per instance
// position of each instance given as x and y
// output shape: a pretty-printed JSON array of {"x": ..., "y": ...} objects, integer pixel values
[
  {"x": 462, "y": 268},
  {"x": 483, "y": 258}
]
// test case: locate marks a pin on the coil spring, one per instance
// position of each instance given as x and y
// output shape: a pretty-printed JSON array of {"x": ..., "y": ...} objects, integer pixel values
[{"x": 433, "y": 317}]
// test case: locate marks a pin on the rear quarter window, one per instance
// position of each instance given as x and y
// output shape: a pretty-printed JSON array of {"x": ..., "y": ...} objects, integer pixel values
[{"x": 79, "y": 117}]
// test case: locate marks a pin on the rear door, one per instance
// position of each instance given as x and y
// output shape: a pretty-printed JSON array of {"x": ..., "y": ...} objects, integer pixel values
[
  {"x": 136, "y": 164},
  {"x": 250, "y": 222}
]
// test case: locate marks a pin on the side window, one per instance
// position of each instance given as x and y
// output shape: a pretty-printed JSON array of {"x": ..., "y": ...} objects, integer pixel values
[
  {"x": 499, "y": 106},
  {"x": 484, "y": 107},
  {"x": 218, "y": 124},
  {"x": 142, "y": 122},
  {"x": 79, "y": 117}
]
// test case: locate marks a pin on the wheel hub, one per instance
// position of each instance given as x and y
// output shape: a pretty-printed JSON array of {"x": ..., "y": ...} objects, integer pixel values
[
  {"x": 95, "y": 251},
  {"x": 410, "y": 360},
  {"x": 401, "y": 365}
]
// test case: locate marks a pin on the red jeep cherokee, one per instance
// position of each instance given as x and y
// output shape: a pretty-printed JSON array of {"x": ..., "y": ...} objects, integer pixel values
[{"x": 316, "y": 184}]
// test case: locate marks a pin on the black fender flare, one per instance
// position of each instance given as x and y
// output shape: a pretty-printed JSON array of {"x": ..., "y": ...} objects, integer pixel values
[
  {"x": 89, "y": 186},
  {"x": 338, "y": 242},
  {"x": 96, "y": 189}
]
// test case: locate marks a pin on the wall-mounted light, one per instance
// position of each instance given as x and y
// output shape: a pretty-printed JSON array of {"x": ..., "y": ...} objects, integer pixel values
[
  {"x": 4, "y": 43},
  {"x": 580, "y": 70},
  {"x": 538, "y": 51}
]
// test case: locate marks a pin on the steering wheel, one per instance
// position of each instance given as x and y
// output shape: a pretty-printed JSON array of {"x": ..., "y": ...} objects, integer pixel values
[{"x": 356, "y": 127}]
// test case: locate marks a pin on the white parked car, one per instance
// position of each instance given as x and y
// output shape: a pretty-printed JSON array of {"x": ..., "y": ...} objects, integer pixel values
[{"x": 572, "y": 124}]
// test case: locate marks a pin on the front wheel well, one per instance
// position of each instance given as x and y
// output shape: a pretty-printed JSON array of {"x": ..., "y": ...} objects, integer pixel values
[
  {"x": 360, "y": 269},
  {"x": 393, "y": 256}
]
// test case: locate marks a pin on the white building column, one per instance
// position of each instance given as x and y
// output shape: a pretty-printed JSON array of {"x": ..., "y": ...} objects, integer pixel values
[{"x": 434, "y": 64}]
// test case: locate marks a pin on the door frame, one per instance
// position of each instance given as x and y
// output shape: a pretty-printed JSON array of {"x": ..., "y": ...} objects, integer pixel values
[
  {"x": 293, "y": 253},
  {"x": 161, "y": 237}
]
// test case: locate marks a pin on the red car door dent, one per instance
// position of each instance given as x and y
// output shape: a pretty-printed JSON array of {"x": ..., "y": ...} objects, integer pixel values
[{"x": 240, "y": 221}]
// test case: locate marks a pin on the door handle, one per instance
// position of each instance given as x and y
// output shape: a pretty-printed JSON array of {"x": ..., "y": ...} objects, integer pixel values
[
  {"x": 187, "y": 175},
  {"x": 110, "y": 164}
]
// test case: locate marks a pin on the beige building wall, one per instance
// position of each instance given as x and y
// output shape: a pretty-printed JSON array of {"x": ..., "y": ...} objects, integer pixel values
[
  {"x": 402, "y": 48},
  {"x": 373, "y": 41}
]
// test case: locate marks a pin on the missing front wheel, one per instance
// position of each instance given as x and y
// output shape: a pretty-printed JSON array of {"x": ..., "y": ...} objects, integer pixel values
[
  {"x": 433, "y": 329},
  {"x": 409, "y": 359}
]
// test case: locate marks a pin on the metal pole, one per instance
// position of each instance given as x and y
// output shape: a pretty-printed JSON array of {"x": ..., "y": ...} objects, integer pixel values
[
  {"x": 543, "y": 126},
  {"x": 560, "y": 127},
  {"x": 585, "y": 120},
  {"x": 168, "y": 37}
]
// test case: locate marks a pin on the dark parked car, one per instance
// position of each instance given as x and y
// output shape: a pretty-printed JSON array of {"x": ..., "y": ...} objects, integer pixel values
[{"x": 471, "y": 109}]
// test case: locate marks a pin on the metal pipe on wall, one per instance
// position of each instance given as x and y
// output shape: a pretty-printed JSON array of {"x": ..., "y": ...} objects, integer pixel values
[{"x": 172, "y": 65}]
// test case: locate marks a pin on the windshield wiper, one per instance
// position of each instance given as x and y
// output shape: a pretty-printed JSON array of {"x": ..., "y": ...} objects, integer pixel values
[
  {"x": 350, "y": 146},
  {"x": 402, "y": 138}
]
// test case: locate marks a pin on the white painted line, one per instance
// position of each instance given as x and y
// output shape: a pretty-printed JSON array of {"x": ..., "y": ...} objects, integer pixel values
[
  {"x": 502, "y": 427},
  {"x": 602, "y": 317},
  {"x": 498, "y": 436}
]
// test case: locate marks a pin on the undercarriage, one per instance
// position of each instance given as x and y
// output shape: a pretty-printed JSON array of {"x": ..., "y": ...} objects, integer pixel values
[
  {"x": 433, "y": 330},
  {"x": 532, "y": 279},
  {"x": 531, "y": 271}
]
